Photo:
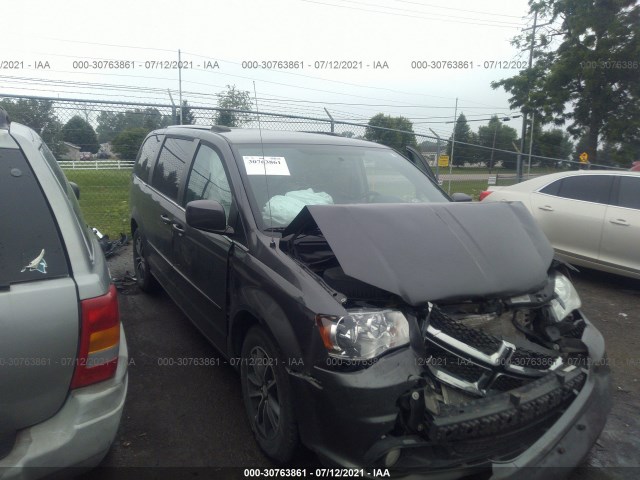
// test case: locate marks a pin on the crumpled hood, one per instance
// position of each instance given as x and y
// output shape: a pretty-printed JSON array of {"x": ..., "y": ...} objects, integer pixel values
[{"x": 438, "y": 251}]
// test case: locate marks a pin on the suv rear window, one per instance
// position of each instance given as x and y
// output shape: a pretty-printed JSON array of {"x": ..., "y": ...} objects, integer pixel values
[{"x": 28, "y": 228}]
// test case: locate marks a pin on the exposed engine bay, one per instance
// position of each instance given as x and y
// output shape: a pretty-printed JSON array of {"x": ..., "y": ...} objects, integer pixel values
[{"x": 494, "y": 365}]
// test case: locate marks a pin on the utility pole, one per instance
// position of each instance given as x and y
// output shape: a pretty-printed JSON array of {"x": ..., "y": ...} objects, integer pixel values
[
  {"x": 453, "y": 144},
  {"x": 533, "y": 116},
  {"x": 493, "y": 148},
  {"x": 524, "y": 113},
  {"x": 180, "y": 85},
  {"x": 437, "y": 156}
]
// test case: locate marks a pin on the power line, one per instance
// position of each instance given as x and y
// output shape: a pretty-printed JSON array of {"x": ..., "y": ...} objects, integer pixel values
[
  {"x": 431, "y": 15},
  {"x": 410, "y": 16},
  {"x": 492, "y": 14}
]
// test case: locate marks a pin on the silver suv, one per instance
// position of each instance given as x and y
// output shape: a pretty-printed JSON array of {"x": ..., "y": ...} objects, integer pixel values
[{"x": 63, "y": 353}]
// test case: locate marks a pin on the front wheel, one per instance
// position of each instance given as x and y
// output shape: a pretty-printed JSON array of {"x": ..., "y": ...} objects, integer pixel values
[{"x": 267, "y": 396}]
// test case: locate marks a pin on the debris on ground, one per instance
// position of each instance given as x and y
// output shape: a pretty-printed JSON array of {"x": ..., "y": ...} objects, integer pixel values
[
  {"x": 125, "y": 284},
  {"x": 110, "y": 247}
]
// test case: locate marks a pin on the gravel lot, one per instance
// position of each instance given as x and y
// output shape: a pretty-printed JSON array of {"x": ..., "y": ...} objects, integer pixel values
[{"x": 192, "y": 416}]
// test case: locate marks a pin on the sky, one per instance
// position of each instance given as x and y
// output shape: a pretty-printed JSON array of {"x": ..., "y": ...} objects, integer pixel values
[{"x": 220, "y": 41}]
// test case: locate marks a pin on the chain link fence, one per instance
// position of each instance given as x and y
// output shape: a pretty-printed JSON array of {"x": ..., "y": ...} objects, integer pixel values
[{"x": 100, "y": 158}]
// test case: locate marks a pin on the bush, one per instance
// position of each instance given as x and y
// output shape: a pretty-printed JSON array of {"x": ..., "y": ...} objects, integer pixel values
[{"x": 128, "y": 142}]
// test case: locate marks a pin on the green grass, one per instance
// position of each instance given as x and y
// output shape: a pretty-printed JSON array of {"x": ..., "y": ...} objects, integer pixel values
[
  {"x": 470, "y": 187},
  {"x": 104, "y": 199},
  {"x": 540, "y": 170}
]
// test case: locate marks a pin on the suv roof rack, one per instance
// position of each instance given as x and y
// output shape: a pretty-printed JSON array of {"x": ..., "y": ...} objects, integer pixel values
[
  {"x": 213, "y": 128},
  {"x": 333, "y": 134}
]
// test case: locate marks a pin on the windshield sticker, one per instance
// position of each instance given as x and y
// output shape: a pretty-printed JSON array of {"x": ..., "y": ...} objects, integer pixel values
[
  {"x": 38, "y": 263},
  {"x": 256, "y": 165}
]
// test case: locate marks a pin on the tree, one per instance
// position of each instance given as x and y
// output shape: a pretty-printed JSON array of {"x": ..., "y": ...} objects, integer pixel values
[
  {"x": 400, "y": 135},
  {"x": 40, "y": 116},
  {"x": 128, "y": 142},
  {"x": 430, "y": 146},
  {"x": 591, "y": 77},
  {"x": 498, "y": 135},
  {"x": 618, "y": 154},
  {"x": 233, "y": 99},
  {"x": 188, "y": 118},
  {"x": 463, "y": 153},
  {"x": 554, "y": 143},
  {"x": 110, "y": 124},
  {"x": 80, "y": 132}
]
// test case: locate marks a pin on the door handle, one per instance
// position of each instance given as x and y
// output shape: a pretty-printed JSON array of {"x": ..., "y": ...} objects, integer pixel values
[
  {"x": 165, "y": 219},
  {"x": 620, "y": 221},
  {"x": 178, "y": 228},
  {"x": 546, "y": 208}
]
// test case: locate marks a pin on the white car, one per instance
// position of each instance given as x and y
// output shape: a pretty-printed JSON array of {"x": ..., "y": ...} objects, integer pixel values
[{"x": 592, "y": 218}]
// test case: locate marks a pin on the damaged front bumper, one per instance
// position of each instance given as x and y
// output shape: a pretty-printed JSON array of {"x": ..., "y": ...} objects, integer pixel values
[{"x": 354, "y": 419}]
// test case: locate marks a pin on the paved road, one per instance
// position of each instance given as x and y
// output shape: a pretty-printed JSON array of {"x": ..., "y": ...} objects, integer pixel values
[{"x": 192, "y": 416}]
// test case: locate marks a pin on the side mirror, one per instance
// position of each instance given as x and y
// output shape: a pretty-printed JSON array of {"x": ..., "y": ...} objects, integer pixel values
[
  {"x": 207, "y": 215},
  {"x": 76, "y": 189},
  {"x": 461, "y": 197}
]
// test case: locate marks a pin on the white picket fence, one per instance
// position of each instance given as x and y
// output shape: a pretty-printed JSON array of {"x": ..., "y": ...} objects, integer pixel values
[{"x": 96, "y": 164}]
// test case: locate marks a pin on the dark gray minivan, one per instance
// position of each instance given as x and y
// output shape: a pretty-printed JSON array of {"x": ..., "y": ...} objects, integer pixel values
[
  {"x": 372, "y": 319},
  {"x": 63, "y": 352}
]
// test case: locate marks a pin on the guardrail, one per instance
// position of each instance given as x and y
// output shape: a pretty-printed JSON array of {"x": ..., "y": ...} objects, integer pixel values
[{"x": 96, "y": 164}]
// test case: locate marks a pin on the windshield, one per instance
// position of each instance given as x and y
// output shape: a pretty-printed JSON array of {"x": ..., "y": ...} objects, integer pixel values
[{"x": 297, "y": 175}]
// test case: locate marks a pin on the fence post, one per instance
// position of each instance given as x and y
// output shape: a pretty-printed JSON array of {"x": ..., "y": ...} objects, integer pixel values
[{"x": 332, "y": 121}]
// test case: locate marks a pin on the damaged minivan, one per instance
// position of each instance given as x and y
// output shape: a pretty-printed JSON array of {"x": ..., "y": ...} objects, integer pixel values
[{"x": 371, "y": 318}]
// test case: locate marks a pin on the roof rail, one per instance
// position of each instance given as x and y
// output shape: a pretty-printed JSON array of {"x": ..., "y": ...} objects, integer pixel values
[
  {"x": 214, "y": 128},
  {"x": 4, "y": 119},
  {"x": 333, "y": 134}
]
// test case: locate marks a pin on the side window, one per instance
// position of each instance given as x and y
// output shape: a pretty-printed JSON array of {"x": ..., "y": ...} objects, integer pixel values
[
  {"x": 552, "y": 188},
  {"x": 62, "y": 179},
  {"x": 148, "y": 153},
  {"x": 168, "y": 172},
  {"x": 629, "y": 192},
  {"x": 588, "y": 188},
  {"x": 208, "y": 180}
]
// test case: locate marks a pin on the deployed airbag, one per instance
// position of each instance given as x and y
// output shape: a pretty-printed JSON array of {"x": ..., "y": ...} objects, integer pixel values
[{"x": 281, "y": 209}]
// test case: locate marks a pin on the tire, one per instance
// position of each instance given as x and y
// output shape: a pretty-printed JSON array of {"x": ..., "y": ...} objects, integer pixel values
[
  {"x": 145, "y": 280},
  {"x": 266, "y": 392}
]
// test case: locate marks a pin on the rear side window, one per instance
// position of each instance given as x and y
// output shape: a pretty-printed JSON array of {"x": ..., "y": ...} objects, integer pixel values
[
  {"x": 62, "y": 179},
  {"x": 168, "y": 172},
  {"x": 588, "y": 188},
  {"x": 552, "y": 188},
  {"x": 30, "y": 244},
  {"x": 629, "y": 192},
  {"x": 146, "y": 156}
]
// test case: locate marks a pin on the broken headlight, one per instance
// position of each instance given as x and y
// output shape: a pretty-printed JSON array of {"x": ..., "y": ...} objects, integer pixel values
[
  {"x": 363, "y": 334},
  {"x": 566, "y": 299}
]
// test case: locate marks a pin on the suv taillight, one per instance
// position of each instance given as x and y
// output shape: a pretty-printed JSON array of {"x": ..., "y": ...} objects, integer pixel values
[{"x": 99, "y": 340}]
